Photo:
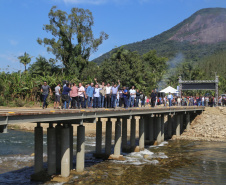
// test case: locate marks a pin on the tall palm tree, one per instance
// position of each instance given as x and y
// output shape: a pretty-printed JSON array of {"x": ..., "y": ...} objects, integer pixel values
[{"x": 25, "y": 59}]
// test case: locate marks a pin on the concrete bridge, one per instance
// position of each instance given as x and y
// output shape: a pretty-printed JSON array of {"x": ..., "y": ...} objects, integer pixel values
[{"x": 155, "y": 125}]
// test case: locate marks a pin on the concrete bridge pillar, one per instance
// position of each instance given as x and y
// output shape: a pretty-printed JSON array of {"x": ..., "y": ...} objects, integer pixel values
[
  {"x": 151, "y": 129},
  {"x": 146, "y": 128},
  {"x": 170, "y": 126},
  {"x": 141, "y": 133},
  {"x": 80, "y": 153},
  {"x": 38, "y": 148},
  {"x": 51, "y": 149},
  {"x": 71, "y": 146},
  {"x": 181, "y": 123},
  {"x": 118, "y": 137},
  {"x": 65, "y": 151},
  {"x": 108, "y": 137},
  {"x": 124, "y": 134},
  {"x": 158, "y": 129},
  {"x": 178, "y": 121},
  {"x": 188, "y": 123},
  {"x": 58, "y": 130},
  {"x": 133, "y": 134},
  {"x": 162, "y": 128},
  {"x": 98, "y": 137},
  {"x": 5, "y": 129}
]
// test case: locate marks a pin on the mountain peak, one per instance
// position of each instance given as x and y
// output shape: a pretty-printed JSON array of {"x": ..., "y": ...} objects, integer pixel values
[{"x": 205, "y": 26}]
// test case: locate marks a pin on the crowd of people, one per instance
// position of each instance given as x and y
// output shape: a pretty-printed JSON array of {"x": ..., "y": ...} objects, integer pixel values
[{"x": 71, "y": 96}]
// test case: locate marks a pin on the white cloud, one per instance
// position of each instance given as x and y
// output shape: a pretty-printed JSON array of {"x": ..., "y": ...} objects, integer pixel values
[
  {"x": 13, "y": 42},
  {"x": 10, "y": 57}
]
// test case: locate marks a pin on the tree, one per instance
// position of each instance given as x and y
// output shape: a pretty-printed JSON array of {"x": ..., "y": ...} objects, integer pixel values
[
  {"x": 73, "y": 40},
  {"x": 25, "y": 59}
]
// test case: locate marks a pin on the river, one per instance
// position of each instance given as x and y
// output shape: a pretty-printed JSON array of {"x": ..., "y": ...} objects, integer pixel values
[{"x": 171, "y": 162}]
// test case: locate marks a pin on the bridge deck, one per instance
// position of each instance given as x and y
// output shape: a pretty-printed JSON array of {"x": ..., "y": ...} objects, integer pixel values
[{"x": 8, "y": 116}]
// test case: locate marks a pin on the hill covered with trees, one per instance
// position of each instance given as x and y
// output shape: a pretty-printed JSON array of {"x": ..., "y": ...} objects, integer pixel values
[{"x": 198, "y": 36}]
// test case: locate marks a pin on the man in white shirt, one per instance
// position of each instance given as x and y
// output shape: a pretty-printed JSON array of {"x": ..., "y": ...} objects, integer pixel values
[
  {"x": 132, "y": 96},
  {"x": 108, "y": 96},
  {"x": 96, "y": 96},
  {"x": 170, "y": 99},
  {"x": 81, "y": 95}
]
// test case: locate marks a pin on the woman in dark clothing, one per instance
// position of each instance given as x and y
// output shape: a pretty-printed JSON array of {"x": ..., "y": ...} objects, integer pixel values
[
  {"x": 137, "y": 98},
  {"x": 142, "y": 98},
  {"x": 65, "y": 95}
]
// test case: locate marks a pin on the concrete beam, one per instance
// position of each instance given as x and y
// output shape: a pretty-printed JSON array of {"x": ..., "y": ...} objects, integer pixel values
[
  {"x": 38, "y": 148},
  {"x": 124, "y": 134},
  {"x": 141, "y": 133},
  {"x": 133, "y": 134},
  {"x": 118, "y": 138},
  {"x": 158, "y": 129},
  {"x": 51, "y": 149},
  {"x": 108, "y": 137},
  {"x": 58, "y": 130},
  {"x": 80, "y": 153},
  {"x": 151, "y": 130},
  {"x": 162, "y": 127},
  {"x": 71, "y": 146},
  {"x": 178, "y": 121},
  {"x": 98, "y": 137},
  {"x": 188, "y": 123},
  {"x": 170, "y": 126},
  {"x": 65, "y": 151}
]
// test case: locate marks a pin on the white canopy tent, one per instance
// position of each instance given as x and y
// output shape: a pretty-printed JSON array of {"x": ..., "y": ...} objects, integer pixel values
[{"x": 169, "y": 89}]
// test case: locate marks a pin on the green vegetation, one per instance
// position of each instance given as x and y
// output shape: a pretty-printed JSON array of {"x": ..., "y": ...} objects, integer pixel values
[
  {"x": 131, "y": 68},
  {"x": 73, "y": 39},
  {"x": 150, "y": 64}
]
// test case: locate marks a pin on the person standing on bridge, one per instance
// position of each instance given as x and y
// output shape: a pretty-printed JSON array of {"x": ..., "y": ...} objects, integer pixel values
[
  {"x": 81, "y": 95},
  {"x": 153, "y": 98},
  {"x": 114, "y": 91},
  {"x": 170, "y": 97},
  {"x": 65, "y": 95},
  {"x": 57, "y": 96},
  {"x": 45, "y": 90},
  {"x": 89, "y": 94},
  {"x": 125, "y": 97}
]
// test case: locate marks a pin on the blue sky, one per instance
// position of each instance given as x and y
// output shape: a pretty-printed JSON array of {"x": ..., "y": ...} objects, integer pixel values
[{"x": 125, "y": 21}]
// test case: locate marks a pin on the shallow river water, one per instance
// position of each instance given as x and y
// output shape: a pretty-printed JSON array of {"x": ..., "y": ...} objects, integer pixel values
[{"x": 171, "y": 162}]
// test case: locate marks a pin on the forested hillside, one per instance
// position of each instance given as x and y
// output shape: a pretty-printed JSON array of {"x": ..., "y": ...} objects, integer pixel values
[{"x": 198, "y": 36}]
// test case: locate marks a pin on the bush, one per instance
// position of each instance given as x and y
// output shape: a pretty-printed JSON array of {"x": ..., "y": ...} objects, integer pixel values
[
  {"x": 2, "y": 101},
  {"x": 19, "y": 102}
]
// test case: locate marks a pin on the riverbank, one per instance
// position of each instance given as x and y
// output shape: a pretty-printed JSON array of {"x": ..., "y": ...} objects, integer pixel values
[{"x": 208, "y": 126}]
